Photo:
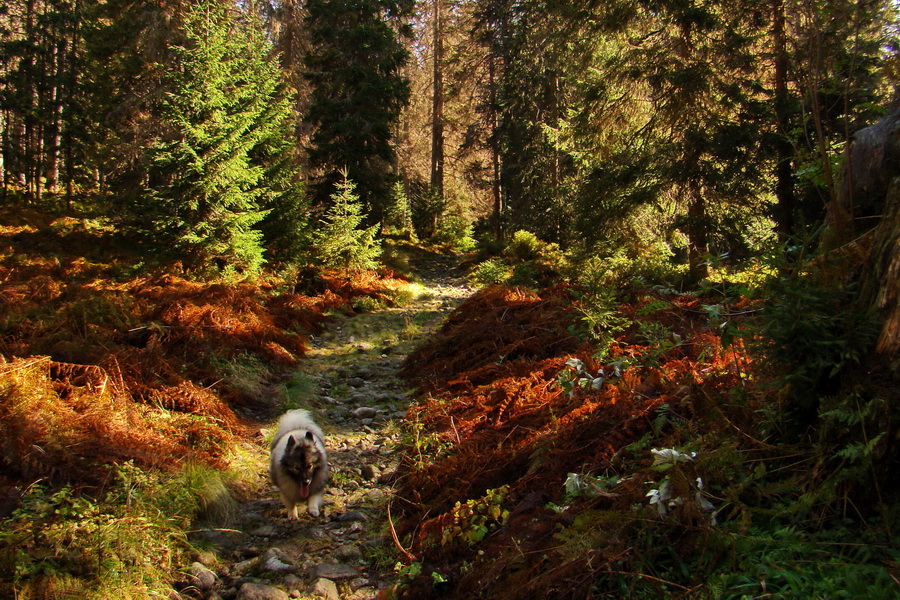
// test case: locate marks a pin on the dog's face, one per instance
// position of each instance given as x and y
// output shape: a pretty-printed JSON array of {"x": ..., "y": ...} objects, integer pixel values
[{"x": 300, "y": 460}]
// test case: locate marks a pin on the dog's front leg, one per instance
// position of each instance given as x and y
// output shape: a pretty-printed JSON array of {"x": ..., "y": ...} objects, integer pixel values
[{"x": 314, "y": 504}]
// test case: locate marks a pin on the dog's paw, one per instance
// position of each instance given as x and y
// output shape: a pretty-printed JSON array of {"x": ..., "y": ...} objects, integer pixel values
[{"x": 313, "y": 512}]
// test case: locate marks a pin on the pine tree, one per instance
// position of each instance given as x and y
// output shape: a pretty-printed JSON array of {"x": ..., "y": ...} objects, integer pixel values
[
  {"x": 202, "y": 201},
  {"x": 342, "y": 242},
  {"x": 285, "y": 227},
  {"x": 398, "y": 217},
  {"x": 358, "y": 90}
]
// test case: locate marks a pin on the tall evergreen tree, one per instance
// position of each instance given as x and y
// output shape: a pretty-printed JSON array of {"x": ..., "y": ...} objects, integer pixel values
[
  {"x": 204, "y": 191},
  {"x": 285, "y": 227},
  {"x": 358, "y": 90}
]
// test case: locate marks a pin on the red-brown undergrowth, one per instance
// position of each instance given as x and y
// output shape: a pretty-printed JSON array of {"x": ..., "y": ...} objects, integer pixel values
[
  {"x": 499, "y": 411},
  {"x": 97, "y": 368}
]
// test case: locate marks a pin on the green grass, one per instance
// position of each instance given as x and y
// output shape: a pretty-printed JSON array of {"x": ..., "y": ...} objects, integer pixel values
[{"x": 124, "y": 544}]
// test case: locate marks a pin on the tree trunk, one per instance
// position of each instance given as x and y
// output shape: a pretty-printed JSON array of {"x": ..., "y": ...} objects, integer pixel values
[
  {"x": 698, "y": 268},
  {"x": 68, "y": 139},
  {"x": 784, "y": 176},
  {"x": 54, "y": 127},
  {"x": 437, "y": 106},
  {"x": 881, "y": 281},
  {"x": 495, "y": 154}
]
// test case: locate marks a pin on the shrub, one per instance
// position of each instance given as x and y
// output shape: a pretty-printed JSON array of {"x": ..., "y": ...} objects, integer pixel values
[
  {"x": 491, "y": 272},
  {"x": 524, "y": 246},
  {"x": 398, "y": 217},
  {"x": 808, "y": 334},
  {"x": 455, "y": 231}
]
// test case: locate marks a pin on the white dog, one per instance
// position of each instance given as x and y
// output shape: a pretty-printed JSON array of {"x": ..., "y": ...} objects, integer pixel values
[{"x": 299, "y": 463}]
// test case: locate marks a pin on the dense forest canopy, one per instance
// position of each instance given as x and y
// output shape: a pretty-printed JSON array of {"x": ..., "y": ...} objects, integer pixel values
[
  {"x": 686, "y": 214},
  {"x": 657, "y": 128}
]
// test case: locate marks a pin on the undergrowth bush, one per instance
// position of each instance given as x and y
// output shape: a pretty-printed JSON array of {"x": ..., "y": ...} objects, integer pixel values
[
  {"x": 786, "y": 563},
  {"x": 526, "y": 261},
  {"x": 491, "y": 272},
  {"x": 125, "y": 543},
  {"x": 809, "y": 334}
]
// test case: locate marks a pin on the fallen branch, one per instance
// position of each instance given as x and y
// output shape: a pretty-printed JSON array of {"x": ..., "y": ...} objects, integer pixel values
[{"x": 406, "y": 553}]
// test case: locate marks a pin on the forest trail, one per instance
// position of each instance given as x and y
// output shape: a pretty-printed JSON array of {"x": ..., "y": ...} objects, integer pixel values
[{"x": 350, "y": 381}]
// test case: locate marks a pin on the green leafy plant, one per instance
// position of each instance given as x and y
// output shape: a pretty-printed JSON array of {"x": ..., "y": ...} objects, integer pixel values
[
  {"x": 809, "y": 334},
  {"x": 786, "y": 562},
  {"x": 474, "y": 519},
  {"x": 575, "y": 376},
  {"x": 524, "y": 246},
  {"x": 398, "y": 217}
]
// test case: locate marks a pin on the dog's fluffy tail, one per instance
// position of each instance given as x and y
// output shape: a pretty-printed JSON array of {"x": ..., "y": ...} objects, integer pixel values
[{"x": 297, "y": 420}]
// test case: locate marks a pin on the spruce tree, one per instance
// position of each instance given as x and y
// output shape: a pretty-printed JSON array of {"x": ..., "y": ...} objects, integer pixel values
[
  {"x": 358, "y": 90},
  {"x": 398, "y": 217},
  {"x": 203, "y": 193},
  {"x": 342, "y": 242},
  {"x": 285, "y": 228}
]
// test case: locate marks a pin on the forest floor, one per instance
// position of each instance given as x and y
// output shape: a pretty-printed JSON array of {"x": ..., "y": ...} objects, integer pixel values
[{"x": 351, "y": 383}]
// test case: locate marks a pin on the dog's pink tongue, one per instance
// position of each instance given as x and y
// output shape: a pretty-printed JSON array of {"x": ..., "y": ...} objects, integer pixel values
[{"x": 304, "y": 490}]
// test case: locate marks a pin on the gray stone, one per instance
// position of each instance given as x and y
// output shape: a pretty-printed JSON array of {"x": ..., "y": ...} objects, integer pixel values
[
  {"x": 201, "y": 577},
  {"x": 357, "y": 583},
  {"x": 333, "y": 572},
  {"x": 324, "y": 588},
  {"x": 275, "y": 561},
  {"x": 292, "y": 581},
  {"x": 260, "y": 591},
  {"x": 376, "y": 495},
  {"x": 244, "y": 567},
  {"x": 265, "y": 531},
  {"x": 356, "y": 382},
  {"x": 348, "y": 553},
  {"x": 352, "y": 515},
  {"x": 370, "y": 472},
  {"x": 364, "y": 412}
]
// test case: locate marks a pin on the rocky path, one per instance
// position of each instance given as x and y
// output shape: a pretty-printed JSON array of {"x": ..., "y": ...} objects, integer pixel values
[{"x": 351, "y": 384}]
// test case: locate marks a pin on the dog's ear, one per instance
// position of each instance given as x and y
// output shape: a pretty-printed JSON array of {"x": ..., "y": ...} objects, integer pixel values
[
  {"x": 290, "y": 443},
  {"x": 309, "y": 436}
]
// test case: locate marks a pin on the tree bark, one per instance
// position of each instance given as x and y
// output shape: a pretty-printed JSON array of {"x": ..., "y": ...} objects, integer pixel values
[
  {"x": 784, "y": 176},
  {"x": 881, "y": 281},
  {"x": 496, "y": 191},
  {"x": 698, "y": 244},
  {"x": 437, "y": 106}
]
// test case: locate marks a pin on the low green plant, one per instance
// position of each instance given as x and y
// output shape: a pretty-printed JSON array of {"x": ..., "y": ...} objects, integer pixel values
[
  {"x": 244, "y": 373},
  {"x": 474, "y": 519},
  {"x": 427, "y": 446},
  {"x": 298, "y": 391},
  {"x": 124, "y": 544},
  {"x": 809, "y": 334},
  {"x": 786, "y": 563},
  {"x": 456, "y": 231},
  {"x": 524, "y": 246},
  {"x": 659, "y": 338},
  {"x": 575, "y": 376},
  {"x": 493, "y": 271}
]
